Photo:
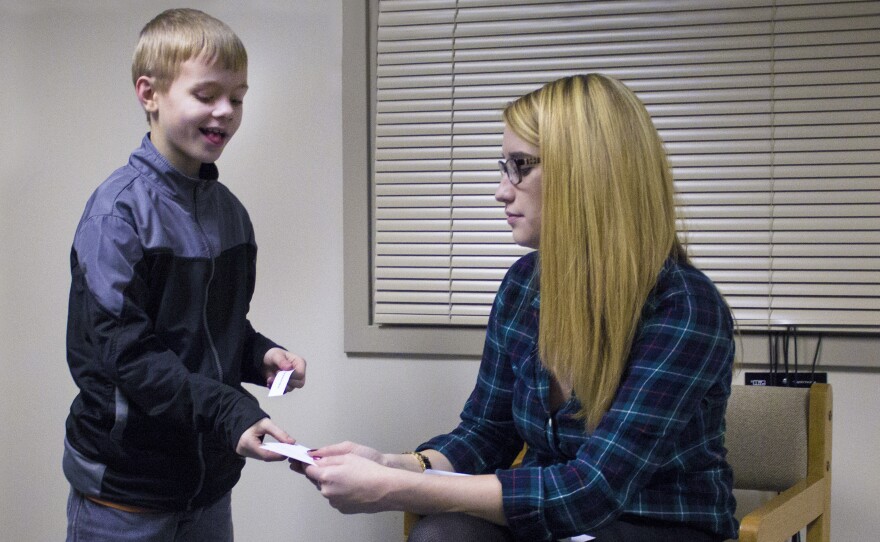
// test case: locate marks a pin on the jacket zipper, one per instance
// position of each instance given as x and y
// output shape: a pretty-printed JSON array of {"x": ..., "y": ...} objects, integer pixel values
[{"x": 214, "y": 354}]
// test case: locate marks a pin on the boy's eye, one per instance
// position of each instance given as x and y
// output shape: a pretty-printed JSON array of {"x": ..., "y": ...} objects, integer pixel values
[{"x": 204, "y": 98}]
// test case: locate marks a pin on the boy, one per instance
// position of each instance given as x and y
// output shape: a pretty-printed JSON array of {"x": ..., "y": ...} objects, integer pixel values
[{"x": 163, "y": 264}]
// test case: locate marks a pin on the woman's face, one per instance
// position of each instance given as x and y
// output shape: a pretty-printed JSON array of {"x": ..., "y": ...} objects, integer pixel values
[{"x": 522, "y": 203}]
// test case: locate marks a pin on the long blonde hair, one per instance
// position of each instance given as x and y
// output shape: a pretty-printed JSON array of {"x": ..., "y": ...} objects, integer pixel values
[{"x": 608, "y": 225}]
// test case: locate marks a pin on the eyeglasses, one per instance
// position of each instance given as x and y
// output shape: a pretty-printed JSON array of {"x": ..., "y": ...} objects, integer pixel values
[{"x": 513, "y": 167}]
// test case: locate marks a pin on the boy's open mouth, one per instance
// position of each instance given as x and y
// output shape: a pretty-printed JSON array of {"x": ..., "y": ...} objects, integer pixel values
[{"x": 214, "y": 135}]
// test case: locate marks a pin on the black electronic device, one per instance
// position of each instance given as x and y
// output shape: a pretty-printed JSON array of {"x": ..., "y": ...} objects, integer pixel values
[{"x": 783, "y": 379}]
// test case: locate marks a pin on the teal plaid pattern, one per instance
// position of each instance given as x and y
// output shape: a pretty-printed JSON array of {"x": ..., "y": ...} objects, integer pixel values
[{"x": 657, "y": 454}]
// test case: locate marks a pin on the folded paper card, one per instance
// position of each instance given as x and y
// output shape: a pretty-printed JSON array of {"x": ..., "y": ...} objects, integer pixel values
[
  {"x": 293, "y": 451},
  {"x": 280, "y": 383}
]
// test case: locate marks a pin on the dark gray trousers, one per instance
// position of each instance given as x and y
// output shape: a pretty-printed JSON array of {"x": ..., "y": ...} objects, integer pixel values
[{"x": 465, "y": 528}]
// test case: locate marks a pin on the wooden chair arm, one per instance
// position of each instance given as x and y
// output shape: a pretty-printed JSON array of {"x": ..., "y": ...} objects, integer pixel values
[
  {"x": 786, "y": 514},
  {"x": 519, "y": 457},
  {"x": 409, "y": 521}
]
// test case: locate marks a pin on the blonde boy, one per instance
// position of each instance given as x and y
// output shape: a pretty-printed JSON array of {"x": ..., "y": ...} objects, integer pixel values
[{"x": 163, "y": 264}]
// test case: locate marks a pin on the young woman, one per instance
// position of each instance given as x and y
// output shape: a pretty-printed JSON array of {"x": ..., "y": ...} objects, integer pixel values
[{"x": 606, "y": 352}]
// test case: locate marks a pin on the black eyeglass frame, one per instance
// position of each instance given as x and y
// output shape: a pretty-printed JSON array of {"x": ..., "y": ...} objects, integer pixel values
[{"x": 515, "y": 176}]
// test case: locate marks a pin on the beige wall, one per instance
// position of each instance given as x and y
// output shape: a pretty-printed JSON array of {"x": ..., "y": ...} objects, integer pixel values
[{"x": 68, "y": 117}]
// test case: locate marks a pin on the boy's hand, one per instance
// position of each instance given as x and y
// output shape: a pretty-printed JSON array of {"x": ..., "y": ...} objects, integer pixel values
[
  {"x": 252, "y": 438},
  {"x": 278, "y": 359}
]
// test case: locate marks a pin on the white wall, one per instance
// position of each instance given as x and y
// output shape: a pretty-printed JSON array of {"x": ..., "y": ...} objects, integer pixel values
[{"x": 68, "y": 117}]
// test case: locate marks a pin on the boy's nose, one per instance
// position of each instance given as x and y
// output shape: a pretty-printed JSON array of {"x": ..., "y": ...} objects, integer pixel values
[{"x": 223, "y": 108}]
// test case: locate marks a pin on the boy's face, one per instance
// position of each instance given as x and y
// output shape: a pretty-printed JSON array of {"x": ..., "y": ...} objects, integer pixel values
[{"x": 193, "y": 120}]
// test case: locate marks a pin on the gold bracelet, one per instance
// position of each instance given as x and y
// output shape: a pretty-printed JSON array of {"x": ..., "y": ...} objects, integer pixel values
[{"x": 422, "y": 459}]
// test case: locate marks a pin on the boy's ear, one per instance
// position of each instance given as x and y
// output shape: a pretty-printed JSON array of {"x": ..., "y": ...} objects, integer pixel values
[{"x": 145, "y": 89}]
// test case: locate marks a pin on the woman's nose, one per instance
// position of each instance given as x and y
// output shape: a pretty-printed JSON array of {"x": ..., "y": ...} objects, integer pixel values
[{"x": 504, "y": 192}]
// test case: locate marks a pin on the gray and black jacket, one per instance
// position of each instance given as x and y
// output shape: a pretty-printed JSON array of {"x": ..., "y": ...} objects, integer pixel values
[{"x": 158, "y": 340}]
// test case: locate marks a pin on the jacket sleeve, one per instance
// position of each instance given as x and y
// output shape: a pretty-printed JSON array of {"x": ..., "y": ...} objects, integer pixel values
[
  {"x": 255, "y": 349},
  {"x": 110, "y": 258}
]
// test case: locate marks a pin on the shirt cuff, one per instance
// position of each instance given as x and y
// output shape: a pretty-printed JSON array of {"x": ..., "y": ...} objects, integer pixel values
[{"x": 522, "y": 496}]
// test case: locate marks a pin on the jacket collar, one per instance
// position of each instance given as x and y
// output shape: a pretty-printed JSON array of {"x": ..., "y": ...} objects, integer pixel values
[{"x": 155, "y": 167}]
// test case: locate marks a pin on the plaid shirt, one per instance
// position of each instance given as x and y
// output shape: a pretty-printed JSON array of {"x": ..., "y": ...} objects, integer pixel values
[{"x": 658, "y": 453}]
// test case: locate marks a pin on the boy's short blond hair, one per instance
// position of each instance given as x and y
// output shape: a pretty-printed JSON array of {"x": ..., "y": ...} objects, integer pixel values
[{"x": 177, "y": 35}]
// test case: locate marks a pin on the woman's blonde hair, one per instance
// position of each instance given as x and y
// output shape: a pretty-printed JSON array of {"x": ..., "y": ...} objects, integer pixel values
[
  {"x": 177, "y": 35},
  {"x": 608, "y": 225}
]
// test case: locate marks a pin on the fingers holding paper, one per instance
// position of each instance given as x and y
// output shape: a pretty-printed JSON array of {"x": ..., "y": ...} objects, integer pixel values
[
  {"x": 250, "y": 442},
  {"x": 279, "y": 363},
  {"x": 348, "y": 447}
]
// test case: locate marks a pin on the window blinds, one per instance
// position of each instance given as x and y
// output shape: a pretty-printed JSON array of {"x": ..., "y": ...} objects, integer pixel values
[{"x": 770, "y": 112}]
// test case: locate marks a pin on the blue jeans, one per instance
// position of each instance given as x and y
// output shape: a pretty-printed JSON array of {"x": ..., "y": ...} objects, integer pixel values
[{"x": 88, "y": 521}]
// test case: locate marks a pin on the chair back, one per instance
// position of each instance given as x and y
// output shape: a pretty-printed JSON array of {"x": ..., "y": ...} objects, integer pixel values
[
  {"x": 779, "y": 439},
  {"x": 766, "y": 439}
]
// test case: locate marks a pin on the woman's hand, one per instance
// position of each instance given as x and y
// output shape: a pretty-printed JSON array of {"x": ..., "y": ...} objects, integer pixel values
[
  {"x": 340, "y": 449},
  {"x": 347, "y": 447},
  {"x": 353, "y": 484},
  {"x": 357, "y": 479}
]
